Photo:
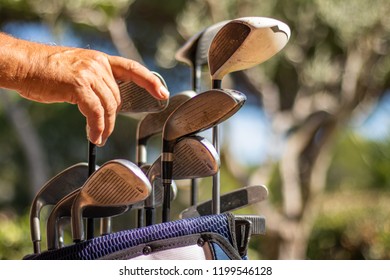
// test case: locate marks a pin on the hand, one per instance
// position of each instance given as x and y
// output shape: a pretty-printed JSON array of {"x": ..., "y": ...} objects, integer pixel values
[{"x": 79, "y": 76}]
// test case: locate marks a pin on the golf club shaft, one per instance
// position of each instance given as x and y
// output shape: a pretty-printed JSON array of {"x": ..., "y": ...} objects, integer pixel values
[
  {"x": 216, "y": 191},
  {"x": 196, "y": 78},
  {"x": 91, "y": 170}
]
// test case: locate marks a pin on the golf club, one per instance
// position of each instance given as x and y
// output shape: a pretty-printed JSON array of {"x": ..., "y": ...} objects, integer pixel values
[
  {"x": 199, "y": 113},
  {"x": 229, "y": 201},
  {"x": 194, "y": 157},
  {"x": 195, "y": 54},
  {"x": 135, "y": 99},
  {"x": 62, "y": 211},
  {"x": 150, "y": 125},
  {"x": 116, "y": 183},
  {"x": 241, "y": 44},
  {"x": 53, "y": 191}
]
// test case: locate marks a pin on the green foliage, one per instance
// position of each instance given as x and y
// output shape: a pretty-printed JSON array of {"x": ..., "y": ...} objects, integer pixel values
[
  {"x": 352, "y": 225},
  {"x": 360, "y": 164},
  {"x": 14, "y": 237}
]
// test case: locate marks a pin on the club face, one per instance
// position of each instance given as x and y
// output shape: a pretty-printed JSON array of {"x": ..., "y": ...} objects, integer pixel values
[
  {"x": 153, "y": 123},
  {"x": 53, "y": 191},
  {"x": 245, "y": 42},
  {"x": 116, "y": 183},
  {"x": 204, "y": 43},
  {"x": 136, "y": 99},
  {"x": 201, "y": 112},
  {"x": 229, "y": 202},
  {"x": 193, "y": 157}
]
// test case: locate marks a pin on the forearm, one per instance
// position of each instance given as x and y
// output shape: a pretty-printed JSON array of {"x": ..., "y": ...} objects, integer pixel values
[{"x": 16, "y": 59}]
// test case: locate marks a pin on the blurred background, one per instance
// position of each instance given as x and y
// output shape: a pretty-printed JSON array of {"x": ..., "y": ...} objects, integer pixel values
[{"x": 315, "y": 128}]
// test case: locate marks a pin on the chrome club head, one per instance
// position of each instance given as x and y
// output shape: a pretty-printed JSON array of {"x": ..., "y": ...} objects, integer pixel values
[
  {"x": 62, "y": 210},
  {"x": 136, "y": 99},
  {"x": 53, "y": 191},
  {"x": 116, "y": 183},
  {"x": 231, "y": 201},
  {"x": 153, "y": 123},
  {"x": 202, "y": 112},
  {"x": 193, "y": 157}
]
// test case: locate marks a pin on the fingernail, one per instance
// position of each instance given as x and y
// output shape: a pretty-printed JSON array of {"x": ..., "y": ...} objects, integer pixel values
[
  {"x": 101, "y": 143},
  {"x": 97, "y": 141},
  {"x": 164, "y": 93}
]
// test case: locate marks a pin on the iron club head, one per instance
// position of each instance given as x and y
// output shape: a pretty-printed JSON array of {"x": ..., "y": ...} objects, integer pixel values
[
  {"x": 153, "y": 123},
  {"x": 116, "y": 183},
  {"x": 53, "y": 191},
  {"x": 229, "y": 202},
  {"x": 62, "y": 210},
  {"x": 136, "y": 99},
  {"x": 201, "y": 112}
]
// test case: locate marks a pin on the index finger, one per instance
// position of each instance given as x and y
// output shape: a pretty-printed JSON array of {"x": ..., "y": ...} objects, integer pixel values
[{"x": 130, "y": 70}]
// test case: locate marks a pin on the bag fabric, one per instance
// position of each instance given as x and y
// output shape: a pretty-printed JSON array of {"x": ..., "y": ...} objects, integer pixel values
[{"x": 207, "y": 237}]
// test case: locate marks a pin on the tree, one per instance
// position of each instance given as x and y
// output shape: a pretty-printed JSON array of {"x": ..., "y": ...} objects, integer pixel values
[{"x": 334, "y": 66}]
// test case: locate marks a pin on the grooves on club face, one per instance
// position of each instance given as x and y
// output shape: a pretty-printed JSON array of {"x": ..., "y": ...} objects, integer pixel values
[
  {"x": 202, "y": 112},
  {"x": 229, "y": 202},
  {"x": 136, "y": 99},
  {"x": 62, "y": 210},
  {"x": 245, "y": 42},
  {"x": 194, "y": 157},
  {"x": 153, "y": 123},
  {"x": 54, "y": 190},
  {"x": 116, "y": 183},
  {"x": 204, "y": 42}
]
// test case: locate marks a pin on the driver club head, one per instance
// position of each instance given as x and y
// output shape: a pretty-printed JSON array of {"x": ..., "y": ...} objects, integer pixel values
[
  {"x": 116, "y": 183},
  {"x": 53, "y": 191},
  {"x": 62, "y": 211},
  {"x": 136, "y": 99},
  {"x": 245, "y": 42}
]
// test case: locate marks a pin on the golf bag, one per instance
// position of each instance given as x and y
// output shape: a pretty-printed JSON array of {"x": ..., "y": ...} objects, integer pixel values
[{"x": 213, "y": 237}]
